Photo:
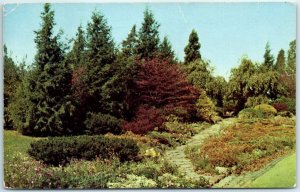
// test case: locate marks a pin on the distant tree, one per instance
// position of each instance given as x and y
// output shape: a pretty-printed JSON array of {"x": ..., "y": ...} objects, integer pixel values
[
  {"x": 148, "y": 37},
  {"x": 12, "y": 78},
  {"x": 280, "y": 62},
  {"x": 238, "y": 85},
  {"x": 291, "y": 59},
  {"x": 165, "y": 51},
  {"x": 199, "y": 73},
  {"x": 129, "y": 45},
  {"x": 192, "y": 50},
  {"x": 268, "y": 58},
  {"x": 76, "y": 55},
  {"x": 47, "y": 91},
  {"x": 216, "y": 90},
  {"x": 248, "y": 81}
]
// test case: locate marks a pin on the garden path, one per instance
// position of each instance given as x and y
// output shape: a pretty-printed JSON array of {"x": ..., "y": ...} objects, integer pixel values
[{"x": 185, "y": 166}]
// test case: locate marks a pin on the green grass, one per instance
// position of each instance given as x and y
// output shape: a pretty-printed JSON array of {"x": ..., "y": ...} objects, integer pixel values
[
  {"x": 282, "y": 175},
  {"x": 15, "y": 143}
]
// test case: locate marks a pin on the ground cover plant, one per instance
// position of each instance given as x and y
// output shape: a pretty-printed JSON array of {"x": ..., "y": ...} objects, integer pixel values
[{"x": 246, "y": 145}]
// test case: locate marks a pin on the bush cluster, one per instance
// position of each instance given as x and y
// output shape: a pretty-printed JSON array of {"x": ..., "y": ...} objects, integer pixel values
[
  {"x": 285, "y": 104},
  {"x": 259, "y": 111},
  {"x": 61, "y": 150},
  {"x": 98, "y": 123}
]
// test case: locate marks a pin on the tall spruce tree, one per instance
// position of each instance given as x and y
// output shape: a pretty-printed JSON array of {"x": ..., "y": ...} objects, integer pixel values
[
  {"x": 291, "y": 60},
  {"x": 148, "y": 42},
  {"x": 280, "y": 62},
  {"x": 165, "y": 50},
  {"x": 129, "y": 45},
  {"x": 101, "y": 53},
  {"x": 192, "y": 50},
  {"x": 268, "y": 58},
  {"x": 47, "y": 92},
  {"x": 76, "y": 55}
]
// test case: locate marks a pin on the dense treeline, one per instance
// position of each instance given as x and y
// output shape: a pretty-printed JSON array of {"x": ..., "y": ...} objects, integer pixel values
[{"x": 95, "y": 88}]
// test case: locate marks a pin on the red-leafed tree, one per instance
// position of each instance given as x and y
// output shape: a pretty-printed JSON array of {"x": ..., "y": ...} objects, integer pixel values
[
  {"x": 161, "y": 89},
  {"x": 163, "y": 85}
]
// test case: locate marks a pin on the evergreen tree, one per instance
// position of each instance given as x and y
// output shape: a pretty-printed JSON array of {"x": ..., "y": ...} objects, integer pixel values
[
  {"x": 148, "y": 42},
  {"x": 291, "y": 60},
  {"x": 12, "y": 78},
  {"x": 129, "y": 45},
  {"x": 280, "y": 62},
  {"x": 46, "y": 93},
  {"x": 192, "y": 50},
  {"x": 101, "y": 54},
  {"x": 165, "y": 51},
  {"x": 76, "y": 56},
  {"x": 268, "y": 58}
]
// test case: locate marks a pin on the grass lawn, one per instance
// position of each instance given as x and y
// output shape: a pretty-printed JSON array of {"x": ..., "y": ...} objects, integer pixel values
[
  {"x": 15, "y": 143},
  {"x": 282, "y": 175}
]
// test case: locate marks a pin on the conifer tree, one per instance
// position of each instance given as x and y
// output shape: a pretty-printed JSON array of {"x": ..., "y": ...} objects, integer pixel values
[
  {"x": 12, "y": 78},
  {"x": 148, "y": 42},
  {"x": 192, "y": 50},
  {"x": 291, "y": 60},
  {"x": 46, "y": 93},
  {"x": 129, "y": 45},
  {"x": 165, "y": 51},
  {"x": 268, "y": 58},
  {"x": 76, "y": 56},
  {"x": 280, "y": 62},
  {"x": 101, "y": 54}
]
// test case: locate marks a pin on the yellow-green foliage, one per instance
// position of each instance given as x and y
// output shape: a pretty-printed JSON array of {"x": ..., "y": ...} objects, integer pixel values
[
  {"x": 205, "y": 108},
  {"x": 253, "y": 101},
  {"x": 265, "y": 108}
]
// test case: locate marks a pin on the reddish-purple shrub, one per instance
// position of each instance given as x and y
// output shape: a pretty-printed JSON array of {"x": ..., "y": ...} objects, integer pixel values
[
  {"x": 147, "y": 119},
  {"x": 280, "y": 107}
]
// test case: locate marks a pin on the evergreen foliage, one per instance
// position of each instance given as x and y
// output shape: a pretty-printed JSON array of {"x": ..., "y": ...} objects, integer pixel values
[
  {"x": 148, "y": 37},
  {"x": 76, "y": 55},
  {"x": 192, "y": 50},
  {"x": 12, "y": 78},
  {"x": 280, "y": 62},
  {"x": 51, "y": 112},
  {"x": 291, "y": 60},
  {"x": 268, "y": 63},
  {"x": 129, "y": 45},
  {"x": 165, "y": 51}
]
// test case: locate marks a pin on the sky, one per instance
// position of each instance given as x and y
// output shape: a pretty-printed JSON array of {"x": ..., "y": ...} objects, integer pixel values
[{"x": 227, "y": 31}]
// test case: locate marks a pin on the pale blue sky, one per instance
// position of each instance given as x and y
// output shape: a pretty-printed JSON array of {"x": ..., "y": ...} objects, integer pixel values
[{"x": 226, "y": 31}]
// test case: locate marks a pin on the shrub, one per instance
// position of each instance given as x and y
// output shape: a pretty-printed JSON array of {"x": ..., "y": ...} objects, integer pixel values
[
  {"x": 266, "y": 109},
  {"x": 147, "y": 119},
  {"x": 205, "y": 108},
  {"x": 98, "y": 123},
  {"x": 60, "y": 150},
  {"x": 133, "y": 181},
  {"x": 280, "y": 107},
  {"x": 165, "y": 138},
  {"x": 253, "y": 101},
  {"x": 289, "y": 102},
  {"x": 249, "y": 113}
]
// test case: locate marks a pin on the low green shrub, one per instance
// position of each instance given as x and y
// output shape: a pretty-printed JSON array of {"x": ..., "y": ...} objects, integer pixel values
[
  {"x": 250, "y": 113},
  {"x": 259, "y": 111},
  {"x": 60, "y": 150},
  {"x": 254, "y": 101},
  {"x": 266, "y": 109},
  {"x": 98, "y": 123},
  {"x": 170, "y": 139}
]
